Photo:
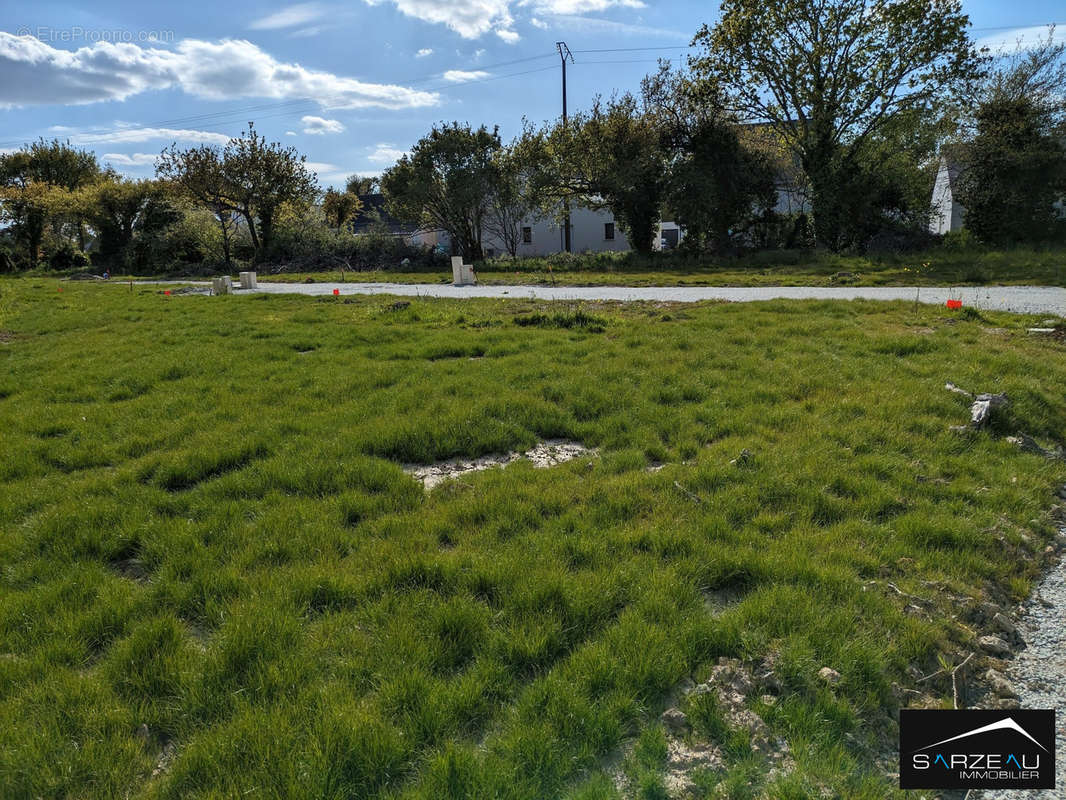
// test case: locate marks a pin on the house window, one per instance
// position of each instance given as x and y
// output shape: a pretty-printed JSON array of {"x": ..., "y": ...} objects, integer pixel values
[
  {"x": 608, "y": 231},
  {"x": 527, "y": 235}
]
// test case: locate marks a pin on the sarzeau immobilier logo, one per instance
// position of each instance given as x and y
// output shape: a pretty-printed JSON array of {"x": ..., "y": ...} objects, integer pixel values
[{"x": 976, "y": 749}]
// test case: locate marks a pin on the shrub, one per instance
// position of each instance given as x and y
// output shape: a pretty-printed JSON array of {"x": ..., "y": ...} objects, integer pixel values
[
  {"x": 960, "y": 241},
  {"x": 67, "y": 256}
]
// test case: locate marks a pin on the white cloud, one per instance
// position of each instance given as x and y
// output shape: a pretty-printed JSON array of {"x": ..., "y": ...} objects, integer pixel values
[
  {"x": 318, "y": 126},
  {"x": 598, "y": 25},
  {"x": 425, "y": 51},
  {"x": 474, "y": 18},
  {"x": 327, "y": 173},
  {"x": 386, "y": 154},
  {"x": 303, "y": 33},
  {"x": 132, "y": 134},
  {"x": 130, "y": 159},
  {"x": 290, "y": 133},
  {"x": 578, "y": 6},
  {"x": 1020, "y": 39},
  {"x": 462, "y": 76},
  {"x": 468, "y": 18},
  {"x": 538, "y": 23},
  {"x": 38, "y": 74},
  {"x": 290, "y": 17}
]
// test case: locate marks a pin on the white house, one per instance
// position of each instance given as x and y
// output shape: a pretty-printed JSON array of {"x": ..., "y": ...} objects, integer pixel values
[
  {"x": 947, "y": 212},
  {"x": 591, "y": 231}
]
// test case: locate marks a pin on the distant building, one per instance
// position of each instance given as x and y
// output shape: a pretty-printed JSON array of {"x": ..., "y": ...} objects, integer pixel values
[
  {"x": 591, "y": 231},
  {"x": 947, "y": 212},
  {"x": 373, "y": 218}
]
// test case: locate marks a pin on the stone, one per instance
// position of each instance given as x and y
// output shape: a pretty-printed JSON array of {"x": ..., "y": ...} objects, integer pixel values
[
  {"x": 1005, "y": 703},
  {"x": 989, "y": 610},
  {"x": 682, "y": 761},
  {"x": 675, "y": 720},
  {"x": 994, "y": 645},
  {"x": 829, "y": 675},
  {"x": 462, "y": 274},
  {"x": 999, "y": 684},
  {"x": 142, "y": 733},
  {"x": 248, "y": 280},
  {"x": 1004, "y": 623}
]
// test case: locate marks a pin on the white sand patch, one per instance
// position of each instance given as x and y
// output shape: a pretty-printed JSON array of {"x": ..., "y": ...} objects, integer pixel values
[{"x": 546, "y": 454}]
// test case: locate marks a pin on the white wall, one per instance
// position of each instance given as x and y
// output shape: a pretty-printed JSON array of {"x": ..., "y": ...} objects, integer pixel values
[
  {"x": 586, "y": 235},
  {"x": 946, "y": 213}
]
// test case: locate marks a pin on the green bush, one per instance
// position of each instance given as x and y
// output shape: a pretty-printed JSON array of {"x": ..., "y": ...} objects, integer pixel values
[
  {"x": 959, "y": 241},
  {"x": 305, "y": 243},
  {"x": 67, "y": 256}
]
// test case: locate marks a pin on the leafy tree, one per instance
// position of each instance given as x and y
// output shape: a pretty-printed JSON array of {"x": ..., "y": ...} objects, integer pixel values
[
  {"x": 340, "y": 207},
  {"x": 118, "y": 209},
  {"x": 717, "y": 186},
  {"x": 263, "y": 178},
  {"x": 26, "y": 206},
  {"x": 1035, "y": 74},
  {"x": 32, "y": 181},
  {"x": 830, "y": 74},
  {"x": 198, "y": 175},
  {"x": 1014, "y": 170},
  {"x": 609, "y": 157},
  {"x": 515, "y": 193},
  {"x": 361, "y": 186},
  {"x": 249, "y": 177},
  {"x": 1011, "y": 143},
  {"x": 445, "y": 182}
]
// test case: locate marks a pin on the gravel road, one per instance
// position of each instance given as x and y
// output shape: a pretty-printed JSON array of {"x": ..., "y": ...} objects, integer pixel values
[
  {"x": 1019, "y": 299},
  {"x": 1039, "y": 675}
]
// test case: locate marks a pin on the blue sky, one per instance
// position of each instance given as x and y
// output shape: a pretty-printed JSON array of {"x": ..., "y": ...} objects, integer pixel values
[{"x": 352, "y": 85}]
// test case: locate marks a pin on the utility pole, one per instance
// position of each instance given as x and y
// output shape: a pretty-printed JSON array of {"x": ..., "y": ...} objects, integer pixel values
[{"x": 564, "y": 54}]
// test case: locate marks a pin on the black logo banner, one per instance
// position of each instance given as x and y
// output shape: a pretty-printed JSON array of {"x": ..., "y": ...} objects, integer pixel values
[{"x": 976, "y": 749}]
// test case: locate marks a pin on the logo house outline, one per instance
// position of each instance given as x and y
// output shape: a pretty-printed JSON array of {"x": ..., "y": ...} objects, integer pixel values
[{"x": 977, "y": 749}]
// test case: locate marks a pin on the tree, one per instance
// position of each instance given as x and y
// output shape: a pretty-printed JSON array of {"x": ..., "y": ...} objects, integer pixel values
[
  {"x": 27, "y": 206},
  {"x": 339, "y": 207},
  {"x": 119, "y": 209},
  {"x": 197, "y": 175},
  {"x": 445, "y": 182},
  {"x": 829, "y": 74},
  {"x": 1035, "y": 74},
  {"x": 1014, "y": 170},
  {"x": 609, "y": 157},
  {"x": 362, "y": 186},
  {"x": 716, "y": 186},
  {"x": 32, "y": 181},
  {"x": 249, "y": 176},
  {"x": 1010, "y": 144},
  {"x": 515, "y": 194}
]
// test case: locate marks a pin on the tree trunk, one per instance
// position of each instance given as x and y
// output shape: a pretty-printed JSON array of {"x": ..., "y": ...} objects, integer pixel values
[
  {"x": 223, "y": 225},
  {"x": 252, "y": 233}
]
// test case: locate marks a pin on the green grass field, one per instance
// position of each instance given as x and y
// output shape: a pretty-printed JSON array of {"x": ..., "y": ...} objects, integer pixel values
[
  {"x": 938, "y": 267},
  {"x": 217, "y": 580}
]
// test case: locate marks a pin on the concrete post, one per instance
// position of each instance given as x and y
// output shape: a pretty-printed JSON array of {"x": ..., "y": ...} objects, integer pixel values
[{"x": 462, "y": 274}]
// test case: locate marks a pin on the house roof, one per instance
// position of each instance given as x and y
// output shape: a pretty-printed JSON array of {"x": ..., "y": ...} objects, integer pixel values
[{"x": 373, "y": 214}]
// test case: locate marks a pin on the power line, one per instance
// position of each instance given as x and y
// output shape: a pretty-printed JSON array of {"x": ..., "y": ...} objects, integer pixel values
[{"x": 634, "y": 49}]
